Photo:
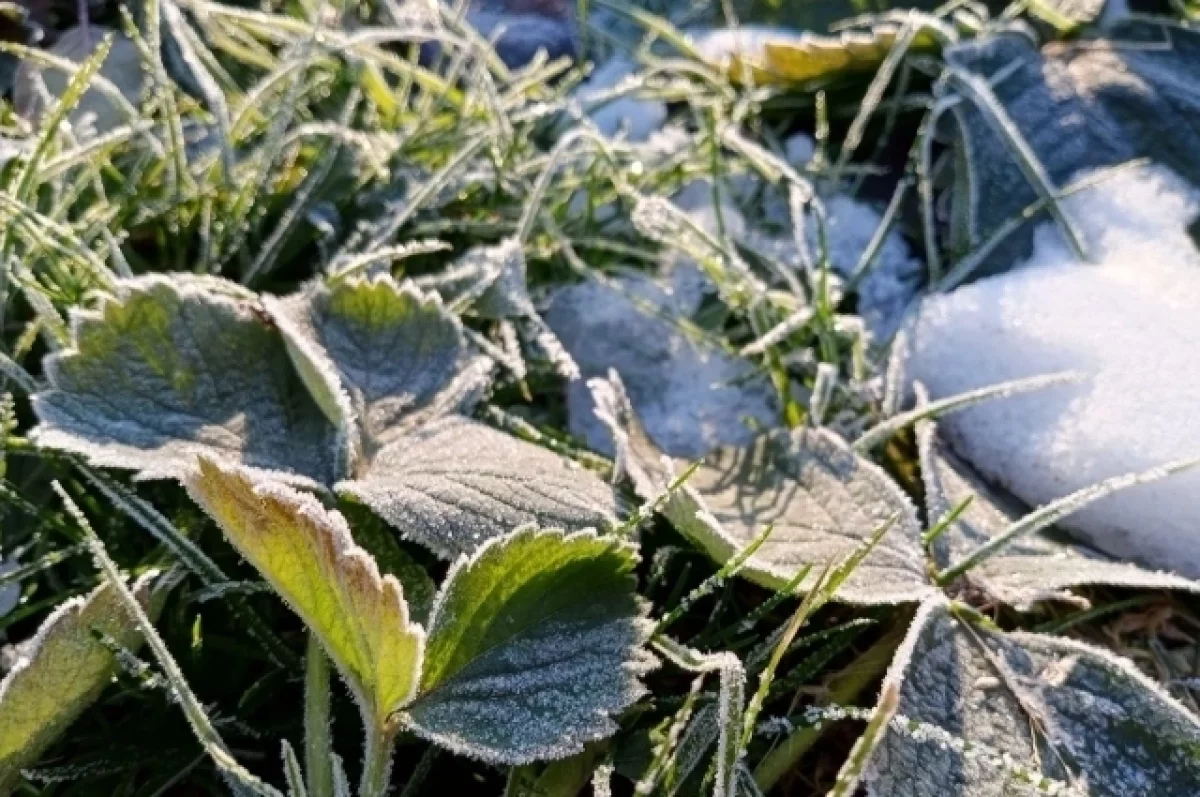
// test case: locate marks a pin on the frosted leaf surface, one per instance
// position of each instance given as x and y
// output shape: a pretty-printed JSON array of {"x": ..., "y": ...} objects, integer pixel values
[
  {"x": 60, "y": 673},
  {"x": 535, "y": 643},
  {"x": 379, "y": 354},
  {"x": 691, "y": 396},
  {"x": 823, "y": 500},
  {"x": 1129, "y": 321},
  {"x": 989, "y": 714},
  {"x": 1080, "y": 106},
  {"x": 311, "y": 560},
  {"x": 455, "y": 483},
  {"x": 170, "y": 368},
  {"x": 1032, "y": 568}
]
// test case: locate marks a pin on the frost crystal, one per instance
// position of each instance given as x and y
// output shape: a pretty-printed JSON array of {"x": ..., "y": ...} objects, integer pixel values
[{"x": 822, "y": 500}]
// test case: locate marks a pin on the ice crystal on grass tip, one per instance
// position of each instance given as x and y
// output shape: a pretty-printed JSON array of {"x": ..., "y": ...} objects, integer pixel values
[{"x": 357, "y": 385}]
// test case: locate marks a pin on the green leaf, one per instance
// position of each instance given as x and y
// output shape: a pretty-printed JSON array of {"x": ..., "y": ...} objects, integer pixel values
[
  {"x": 308, "y": 555},
  {"x": 455, "y": 483},
  {"x": 535, "y": 643},
  {"x": 984, "y": 713},
  {"x": 61, "y": 673},
  {"x": 1033, "y": 567},
  {"x": 822, "y": 499},
  {"x": 379, "y": 355},
  {"x": 174, "y": 366}
]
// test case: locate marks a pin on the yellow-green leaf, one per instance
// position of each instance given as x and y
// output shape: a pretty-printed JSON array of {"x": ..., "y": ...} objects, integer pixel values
[
  {"x": 64, "y": 670},
  {"x": 307, "y": 554},
  {"x": 776, "y": 57}
]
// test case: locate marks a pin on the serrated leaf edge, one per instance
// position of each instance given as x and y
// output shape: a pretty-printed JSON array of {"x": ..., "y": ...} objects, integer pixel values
[{"x": 637, "y": 659}]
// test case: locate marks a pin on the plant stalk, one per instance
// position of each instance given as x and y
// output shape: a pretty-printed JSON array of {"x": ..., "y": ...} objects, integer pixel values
[
  {"x": 377, "y": 760},
  {"x": 318, "y": 746}
]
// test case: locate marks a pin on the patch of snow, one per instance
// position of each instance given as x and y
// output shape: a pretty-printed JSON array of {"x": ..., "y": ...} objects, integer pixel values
[
  {"x": 1131, "y": 321},
  {"x": 691, "y": 396},
  {"x": 637, "y": 117}
]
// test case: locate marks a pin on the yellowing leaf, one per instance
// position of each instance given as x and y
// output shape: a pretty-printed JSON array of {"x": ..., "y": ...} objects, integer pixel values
[
  {"x": 307, "y": 554},
  {"x": 777, "y": 57},
  {"x": 64, "y": 670}
]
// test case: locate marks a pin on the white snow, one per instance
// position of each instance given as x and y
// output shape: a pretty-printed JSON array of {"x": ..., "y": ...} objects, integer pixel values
[
  {"x": 691, "y": 396},
  {"x": 1131, "y": 321},
  {"x": 635, "y": 116}
]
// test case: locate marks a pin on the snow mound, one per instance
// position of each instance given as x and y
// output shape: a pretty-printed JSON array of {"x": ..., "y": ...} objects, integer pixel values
[{"x": 1131, "y": 321}]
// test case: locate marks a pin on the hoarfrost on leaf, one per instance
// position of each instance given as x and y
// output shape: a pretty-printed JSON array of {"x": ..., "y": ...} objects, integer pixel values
[
  {"x": 535, "y": 642},
  {"x": 169, "y": 368},
  {"x": 383, "y": 355},
  {"x": 985, "y": 714},
  {"x": 455, "y": 483},
  {"x": 62, "y": 670},
  {"x": 1031, "y": 568},
  {"x": 309, "y": 557},
  {"x": 359, "y": 380},
  {"x": 822, "y": 500}
]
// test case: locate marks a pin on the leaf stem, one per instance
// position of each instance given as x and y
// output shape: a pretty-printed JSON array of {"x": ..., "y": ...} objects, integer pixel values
[
  {"x": 377, "y": 763},
  {"x": 318, "y": 746}
]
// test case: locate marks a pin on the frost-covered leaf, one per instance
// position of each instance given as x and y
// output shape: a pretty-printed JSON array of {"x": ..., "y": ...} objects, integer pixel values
[
  {"x": 823, "y": 501},
  {"x": 169, "y": 368},
  {"x": 1032, "y": 568},
  {"x": 455, "y": 483},
  {"x": 986, "y": 714},
  {"x": 379, "y": 355},
  {"x": 535, "y": 643},
  {"x": 779, "y": 57},
  {"x": 1079, "y": 105},
  {"x": 308, "y": 555},
  {"x": 64, "y": 669},
  {"x": 691, "y": 396}
]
